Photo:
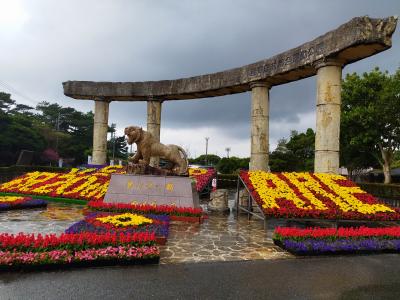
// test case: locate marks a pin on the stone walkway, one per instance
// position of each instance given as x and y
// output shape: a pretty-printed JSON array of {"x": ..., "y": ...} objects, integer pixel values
[{"x": 220, "y": 238}]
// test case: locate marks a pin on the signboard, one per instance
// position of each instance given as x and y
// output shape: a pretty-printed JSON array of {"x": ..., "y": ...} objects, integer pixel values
[{"x": 152, "y": 189}]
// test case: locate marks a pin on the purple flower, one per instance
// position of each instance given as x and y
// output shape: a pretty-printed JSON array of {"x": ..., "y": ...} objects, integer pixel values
[
  {"x": 30, "y": 203},
  {"x": 161, "y": 229},
  {"x": 325, "y": 246}
]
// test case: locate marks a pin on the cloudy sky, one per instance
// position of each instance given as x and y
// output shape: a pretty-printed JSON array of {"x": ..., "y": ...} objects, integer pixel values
[{"x": 44, "y": 43}]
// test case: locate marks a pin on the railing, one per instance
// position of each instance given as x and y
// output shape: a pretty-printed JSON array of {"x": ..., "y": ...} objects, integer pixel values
[{"x": 391, "y": 202}]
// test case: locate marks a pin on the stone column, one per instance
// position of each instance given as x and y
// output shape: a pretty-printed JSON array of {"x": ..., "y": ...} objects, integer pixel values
[
  {"x": 99, "y": 156},
  {"x": 153, "y": 123},
  {"x": 329, "y": 76},
  {"x": 259, "y": 126}
]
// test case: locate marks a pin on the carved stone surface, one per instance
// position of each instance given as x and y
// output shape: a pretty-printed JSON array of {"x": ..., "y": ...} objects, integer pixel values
[
  {"x": 148, "y": 146},
  {"x": 243, "y": 198},
  {"x": 100, "y": 128},
  {"x": 359, "y": 38},
  {"x": 259, "y": 140},
  {"x": 329, "y": 78},
  {"x": 161, "y": 190},
  {"x": 219, "y": 200},
  {"x": 153, "y": 125}
]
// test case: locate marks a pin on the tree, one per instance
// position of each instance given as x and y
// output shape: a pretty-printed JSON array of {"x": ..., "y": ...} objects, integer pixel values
[
  {"x": 49, "y": 155},
  {"x": 355, "y": 157},
  {"x": 64, "y": 130},
  {"x": 212, "y": 160},
  {"x": 302, "y": 145},
  {"x": 120, "y": 148},
  {"x": 297, "y": 154},
  {"x": 117, "y": 148},
  {"x": 371, "y": 117},
  {"x": 71, "y": 130},
  {"x": 6, "y": 103},
  {"x": 282, "y": 159},
  {"x": 17, "y": 130},
  {"x": 232, "y": 164}
]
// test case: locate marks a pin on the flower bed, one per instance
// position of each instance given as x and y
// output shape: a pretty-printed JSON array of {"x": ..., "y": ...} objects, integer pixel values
[
  {"x": 127, "y": 223},
  {"x": 19, "y": 202},
  {"x": 202, "y": 177},
  {"x": 88, "y": 184},
  {"x": 27, "y": 250},
  {"x": 308, "y": 195},
  {"x": 169, "y": 210},
  {"x": 316, "y": 241},
  {"x": 183, "y": 214}
]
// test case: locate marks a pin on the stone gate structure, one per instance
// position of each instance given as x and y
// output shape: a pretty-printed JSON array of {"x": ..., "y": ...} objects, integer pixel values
[{"x": 325, "y": 57}]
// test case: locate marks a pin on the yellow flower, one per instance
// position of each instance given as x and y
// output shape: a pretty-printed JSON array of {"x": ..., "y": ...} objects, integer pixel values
[
  {"x": 127, "y": 219},
  {"x": 271, "y": 188},
  {"x": 197, "y": 171},
  {"x": 10, "y": 198}
]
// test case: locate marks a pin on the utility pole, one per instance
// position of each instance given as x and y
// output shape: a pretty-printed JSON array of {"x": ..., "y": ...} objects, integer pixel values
[
  {"x": 207, "y": 138},
  {"x": 57, "y": 129},
  {"x": 227, "y": 149}
]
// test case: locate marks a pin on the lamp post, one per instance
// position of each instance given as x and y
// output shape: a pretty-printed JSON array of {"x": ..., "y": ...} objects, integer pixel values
[
  {"x": 207, "y": 138},
  {"x": 227, "y": 149}
]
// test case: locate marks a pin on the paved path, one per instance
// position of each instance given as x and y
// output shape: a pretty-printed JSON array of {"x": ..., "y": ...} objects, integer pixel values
[
  {"x": 350, "y": 277},
  {"x": 220, "y": 238}
]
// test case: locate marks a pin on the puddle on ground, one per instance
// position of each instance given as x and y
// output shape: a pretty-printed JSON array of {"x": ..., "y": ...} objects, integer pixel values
[{"x": 53, "y": 219}]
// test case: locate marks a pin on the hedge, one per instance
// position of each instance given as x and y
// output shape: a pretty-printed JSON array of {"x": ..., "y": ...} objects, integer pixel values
[
  {"x": 226, "y": 181},
  {"x": 9, "y": 173},
  {"x": 388, "y": 191},
  {"x": 25, "y": 169}
]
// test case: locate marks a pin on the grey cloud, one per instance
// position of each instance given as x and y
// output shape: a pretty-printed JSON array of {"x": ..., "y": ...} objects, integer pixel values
[{"x": 152, "y": 40}]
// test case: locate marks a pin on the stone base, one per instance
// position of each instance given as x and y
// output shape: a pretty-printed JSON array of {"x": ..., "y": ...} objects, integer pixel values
[
  {"x": 152, "y": 189},
  {"x": 219, "y": 200},
  {"x": 244, "y": 199}
]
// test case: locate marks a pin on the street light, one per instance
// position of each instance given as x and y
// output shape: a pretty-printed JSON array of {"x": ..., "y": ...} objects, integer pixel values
[
  {"x": 207, "y": 138},
  {"x": 227, "y": 149}
]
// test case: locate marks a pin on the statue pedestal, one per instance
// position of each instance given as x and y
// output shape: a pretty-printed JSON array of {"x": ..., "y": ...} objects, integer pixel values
[{"x": 152, "y": 189}]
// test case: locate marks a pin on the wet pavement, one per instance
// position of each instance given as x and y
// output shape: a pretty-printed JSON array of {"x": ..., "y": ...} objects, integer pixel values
[
  {"x": 338, "y": 277},
  {"x": 54, "y": 219},
  {"x": 221, "y": 237}
]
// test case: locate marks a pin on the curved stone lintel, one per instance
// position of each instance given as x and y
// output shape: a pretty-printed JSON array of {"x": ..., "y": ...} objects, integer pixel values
[
  {"x": 359, "y": 38},
  {"x": 259, "y": 83},
  {"x": 328, "y": 62}
]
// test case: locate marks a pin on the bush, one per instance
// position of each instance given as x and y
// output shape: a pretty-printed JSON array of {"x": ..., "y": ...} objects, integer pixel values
[
  {"x": 9, "y": 173},
  {"x": 227, "y": 181},
  {"x": 388, "y": 191},
  {"x": 25, "y": 169}
]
